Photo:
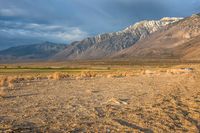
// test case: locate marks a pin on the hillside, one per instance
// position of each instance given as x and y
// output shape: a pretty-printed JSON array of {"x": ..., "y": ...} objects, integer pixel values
[
  {"x": 179, "y": 40},
  {"x": 31, "y": 52}
]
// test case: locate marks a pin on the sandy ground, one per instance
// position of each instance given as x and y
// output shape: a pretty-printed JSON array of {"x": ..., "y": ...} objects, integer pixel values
[{"x": 145, "y": 103}]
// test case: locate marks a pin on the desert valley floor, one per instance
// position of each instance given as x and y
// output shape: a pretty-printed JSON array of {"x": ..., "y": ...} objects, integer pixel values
[{"x": 148, "y": 102}]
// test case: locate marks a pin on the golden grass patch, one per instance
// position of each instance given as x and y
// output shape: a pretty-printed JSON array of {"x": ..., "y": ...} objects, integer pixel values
[
  {"x": 11, "y": 81},
  {"x": 2, "y": 81},
  {"x": 58, "y": 76},
  {"x": 2, "y": 92},
  {"x": 88, "y": 74}
]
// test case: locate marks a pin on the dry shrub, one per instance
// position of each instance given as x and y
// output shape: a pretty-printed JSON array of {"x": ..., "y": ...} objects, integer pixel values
[
  {"x": 177, "y": 71},
  {"x": 11, "y": 81},
  {"x": 110, "y": 76},
  {"x": 149, "y": 72},
  {"x": 171, "y": 71},
  {"x": 2, "y": 92},
  {"x": 123, "y": 74},
  {"x": 117, "y": 75},
  {"x": 30, "y": 78},
  {"x": 77, "y": 78},
  {"x": 49, "y": 77},
  {"x": 120, "y": 74},
  {"x": 88, "y": 74},
  {"x": 128, "y": 74},
  {"x": 163, "y": 71},
  {"x": 58, "y": 76},
  {"x": 36, "y": 77},
  {"x": 39, "y": 77},
  {"x": 2, "y": 81},
  {"x": 8, "y": 81},
  {"x": 20, "y": 79},
  {"x": 142, "y": 72},
  {"x": 2, "y": 84}
]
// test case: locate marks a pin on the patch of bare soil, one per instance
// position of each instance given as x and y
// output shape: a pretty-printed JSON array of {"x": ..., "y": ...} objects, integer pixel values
[{"x": 144, "y": 103}]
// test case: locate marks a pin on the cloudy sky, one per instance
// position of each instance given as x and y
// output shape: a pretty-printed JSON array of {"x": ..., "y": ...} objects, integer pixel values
[{"x": 64, "y": 21}]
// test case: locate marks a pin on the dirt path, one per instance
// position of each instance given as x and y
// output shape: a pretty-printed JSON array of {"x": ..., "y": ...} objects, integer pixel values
[{"x": 146, "y": 103}]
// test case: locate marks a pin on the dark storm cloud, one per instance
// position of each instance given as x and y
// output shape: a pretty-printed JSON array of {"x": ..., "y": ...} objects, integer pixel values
[{"x": 70, "y": 20}]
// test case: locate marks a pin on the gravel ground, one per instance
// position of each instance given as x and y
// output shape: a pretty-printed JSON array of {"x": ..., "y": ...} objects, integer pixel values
[{"x": 145, "y": 103}]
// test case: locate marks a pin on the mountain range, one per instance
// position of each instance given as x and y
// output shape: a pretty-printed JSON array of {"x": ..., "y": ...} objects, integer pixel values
[
  {"x": 105, "y": 45},
  {"x": 42, "y": 51},
  {"x": 167, "y": 38}
]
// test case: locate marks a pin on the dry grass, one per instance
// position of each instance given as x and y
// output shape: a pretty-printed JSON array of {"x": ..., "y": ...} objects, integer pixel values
[
  {"x": 30, "y": 77},
  {"x": 115, "y": 72},
  {"x": 178, "y": 71},
  {"x": 2, "y": 92},
  {"x": 2, "y": 84},
  {"x": 88, "y": 74},
  {"x": 11, "y": 81},
  {"x": 122, "y": 74},
  {"x": 58, "y": 76},
  {"x": 2, "y": 81}
]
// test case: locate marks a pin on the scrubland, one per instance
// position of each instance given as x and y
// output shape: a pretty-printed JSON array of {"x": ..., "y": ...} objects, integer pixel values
[{"x": 100, "y": 98}]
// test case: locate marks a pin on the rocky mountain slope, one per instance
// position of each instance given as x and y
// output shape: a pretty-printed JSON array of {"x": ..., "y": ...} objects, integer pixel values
[
  {"x": 105, "y": 45},
  {"x": 179, "y": 40},
  {"x": 31, "y": 52}
]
